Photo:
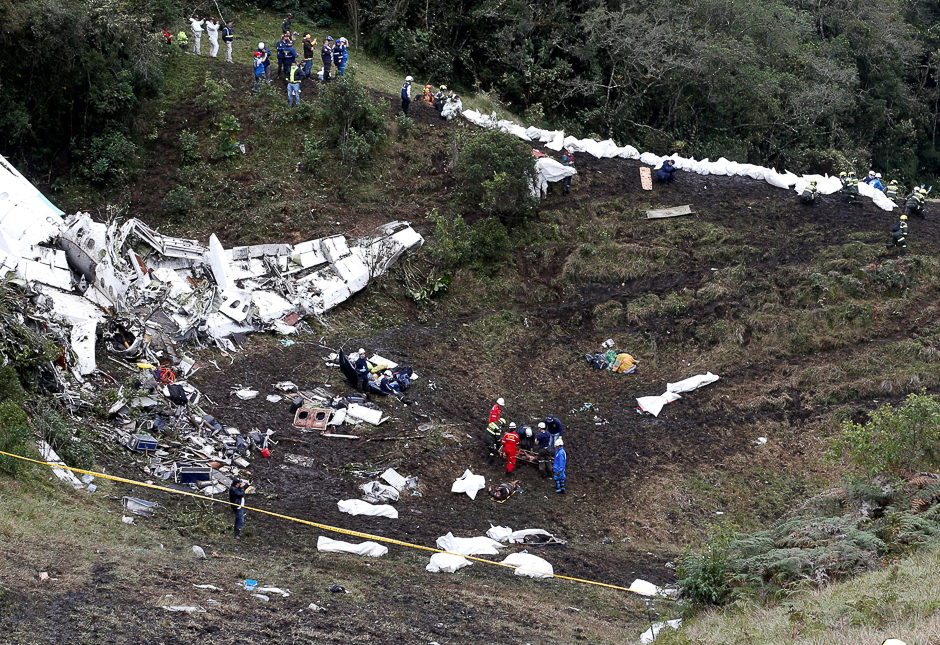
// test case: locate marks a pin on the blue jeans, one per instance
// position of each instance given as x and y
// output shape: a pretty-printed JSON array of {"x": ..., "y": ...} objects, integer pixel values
[
  {"x": 239, "y": 517},
  {"x": 308, "y": 65},
  {"x": 293, "y": 92},
  {"x": 559, "y": 479},
  {"x": 259, "y": 79}
]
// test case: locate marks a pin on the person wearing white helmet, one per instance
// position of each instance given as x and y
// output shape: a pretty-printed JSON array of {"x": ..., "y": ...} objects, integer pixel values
[
  {"x": 388, "y": 384},
  {"x": 559, "y": 464},
  {"x": 526, "y": 438},
  {"x": 543, "y": 444},
  {"x": 362, "y": 372},
  {"x": 406, "y": 95},
  {"x": 497, "y": 410},
  {"x": 876, "y": 182},
  {"x": 510, "y": 443}
]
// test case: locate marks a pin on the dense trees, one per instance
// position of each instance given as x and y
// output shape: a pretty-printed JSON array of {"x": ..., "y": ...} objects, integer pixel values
[
  {"x": 74, "y": 71},
  {"x": 790, "y": 82}
]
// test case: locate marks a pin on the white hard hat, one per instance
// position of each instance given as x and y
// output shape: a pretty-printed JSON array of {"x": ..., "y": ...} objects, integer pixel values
[
  {"x": 559, "y": 442},
  {"x": 512, "y": 424},
  {"x": 500, "y": 401},
  {"x": 260, "y": 45},
  {"x": 409, "y": 79},
  {"x": 362, "y": 351},
  {"x": 878, "y": 175},
  {"x": 541, "y": 426},
  {"x": 388, "y": 372}
]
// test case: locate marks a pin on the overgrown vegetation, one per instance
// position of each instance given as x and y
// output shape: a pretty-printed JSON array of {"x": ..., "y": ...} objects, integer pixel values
[
  {"x": 351, "y": 121},
  {"x": 496, "y": 174}
]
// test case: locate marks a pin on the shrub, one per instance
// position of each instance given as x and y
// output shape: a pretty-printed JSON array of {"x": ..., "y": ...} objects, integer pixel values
[
  {"x": 312, "y": 155},
  {"x": 496, "y": 175},
  {"x": 189, "y": 148},
  {"x": 109, "y": 158},
  {"x": 214, "y": 95},
  {"x": 705, "y": 577},
  {"x": 608, "y": 315},
  {"x": 485, "y": 244},
  {"x": 894, "y": 440},
  {"x": 14, "y": 427},
  {"x": 54, "y": 431},
  {"x": 179, "y": 202},
  {"x": 406, "y": 125},
  {"x": 228, "y": 143},
  {"x": 351, "y": 122}
]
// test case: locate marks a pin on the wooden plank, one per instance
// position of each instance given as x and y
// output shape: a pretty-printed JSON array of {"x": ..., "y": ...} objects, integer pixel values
[
  {"x": 646, "y": 179},
  {"x": 669, "y": 212}
]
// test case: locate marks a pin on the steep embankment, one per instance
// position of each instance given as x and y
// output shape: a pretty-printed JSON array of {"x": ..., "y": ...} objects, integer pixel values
[{"x": 799, "y": 310}]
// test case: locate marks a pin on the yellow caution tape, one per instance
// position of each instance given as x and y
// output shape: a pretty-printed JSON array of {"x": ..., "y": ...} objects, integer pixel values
[{"x": 325, "y": 527}]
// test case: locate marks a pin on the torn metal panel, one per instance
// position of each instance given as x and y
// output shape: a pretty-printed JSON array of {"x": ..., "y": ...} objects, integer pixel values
[
  {"x": 49, "y": 455},
  {"x": 221, "y": 269},
  {"x": 312, "y": 418},
  {"x": 365, "y": 414},
  {"x": 235, "y": 303}
]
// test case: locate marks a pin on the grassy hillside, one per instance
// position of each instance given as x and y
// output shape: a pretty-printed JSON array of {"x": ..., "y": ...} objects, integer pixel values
[{"x": 800, "y": 311}]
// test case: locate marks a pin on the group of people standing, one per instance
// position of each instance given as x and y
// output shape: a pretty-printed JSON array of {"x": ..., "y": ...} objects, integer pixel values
[
  {"x": 211, "y": 27},
  {"x": 547, "y": 444}
]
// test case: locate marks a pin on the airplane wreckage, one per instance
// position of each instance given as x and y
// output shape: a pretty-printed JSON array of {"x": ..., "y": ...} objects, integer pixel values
[{"x": 127, "y": 285}]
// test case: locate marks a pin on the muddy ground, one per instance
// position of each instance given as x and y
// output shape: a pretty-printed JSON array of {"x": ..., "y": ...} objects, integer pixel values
[{"x": 630, "y": 506}]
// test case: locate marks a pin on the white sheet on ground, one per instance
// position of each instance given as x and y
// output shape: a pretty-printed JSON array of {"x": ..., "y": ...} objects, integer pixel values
[
  {"x": 556, "y": 140},
  {"x": 506, "y": 534},
  {"x": 654, "y": 404},
  {"x": 371, "y": 549},
  {"x": 469, "y": 483},
  {"x": 530, "y": 565},
  {"x": 468, "y": 546},
  {"x": 691, "y": 383},
  {"x": 548, "y": 170},
  {"x": 359, "y": 507},
  {"x": 447, "y": 563},
  {"x": 650, "y": 634}
]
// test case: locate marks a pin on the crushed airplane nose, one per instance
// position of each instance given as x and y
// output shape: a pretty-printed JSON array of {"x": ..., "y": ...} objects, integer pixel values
[{"x": 172, "y": 288}]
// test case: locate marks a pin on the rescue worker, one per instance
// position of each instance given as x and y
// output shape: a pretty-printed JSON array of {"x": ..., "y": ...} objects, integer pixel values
[
  {"x": 285, "y": 26},
  {"x": 236, "y": 495},
  {"x": 338, "y": 57},
  {"x": 559, "y": 464},
  {"x": 362, "y": 372},
  {"x": 265, "y": 60},
  {"x": 406, "y": 95},
  {"x": 870, "y": 177},
  {"x": 899, "y": 235},
  {"x": 326, "y": 57},
  {"x": 915, "y": 203},
  {"x": 850, "y": 187},
  {"x": 440, "y": 98},
  {"x": 293, "y": 84},
  {"x": 543, "y": 441},
  {"x": 567, "y": 159},
  {"x": 554, "y": 427},
  {"x": 212, "y": 30},
  {"x": 497, "y": 410},
  {"x": 891, "y": 192},
  {"x": 259, "y": 70},
  {"x": 196, "y": 25},
  {"x": 667, "y": 171},
  {"x": 492, "y": 436},
  {"x": 510, "y": 443},
  {"x": 182, "y": 40},
  {"x": 283, "y": 65},
  {"x": 428, "y": 96},
  {"x": 228, "y": 37},
  {"x": 168, "y": 37},
  {"x": 345, "y": 58},
  {"x": 389, "y": 385},
  {"x": 526, "y": 438},
  {"x": 876, "y": 182},
  {"x": 809, "y": 193}
]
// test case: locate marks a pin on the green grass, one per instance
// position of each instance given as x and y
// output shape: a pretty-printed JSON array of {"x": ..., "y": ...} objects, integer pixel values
[{"x": 900, "y": 601}]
